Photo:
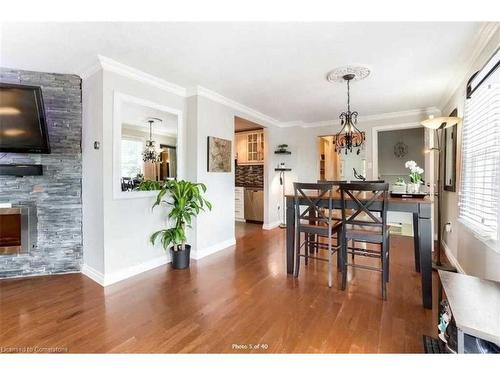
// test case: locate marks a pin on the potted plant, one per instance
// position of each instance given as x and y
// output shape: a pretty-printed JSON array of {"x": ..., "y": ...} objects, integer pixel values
[
  {"x": 399, "y": 185},
  {"x": 415, "y": 176},
  {"x": 186, "y": 201},
  {"x": 282, "y": 149},
  {"x": 147, "y": 185}
]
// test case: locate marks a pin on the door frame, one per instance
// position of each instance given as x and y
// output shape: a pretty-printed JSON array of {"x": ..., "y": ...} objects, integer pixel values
[
  {"x": 267, "y": 156},
  {"x": 428, "y": 141},
  {"x": 430, "y": 159}
]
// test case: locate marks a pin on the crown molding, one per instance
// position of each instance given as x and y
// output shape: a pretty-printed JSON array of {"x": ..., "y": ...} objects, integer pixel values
[
  {"x": 483, "y": 37},
  {"x": 216, "y": 97},
  {"x": 107, "y": 64},
  {"x": 110, "y": 65},
  {"x": 143, "y": 129},
  {"x": 366, "y": 119}
]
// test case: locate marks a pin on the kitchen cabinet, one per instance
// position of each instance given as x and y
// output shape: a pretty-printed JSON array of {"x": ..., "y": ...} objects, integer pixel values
[
  {"x": 239, "y": 206},
  {"x": 250, "y": 147},
  {"x": 254, "y": 204}
]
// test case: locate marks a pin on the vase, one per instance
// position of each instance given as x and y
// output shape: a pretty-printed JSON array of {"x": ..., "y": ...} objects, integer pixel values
[
  {"x": 413, "y": 188},
  {"x": 180, "y": 258}
]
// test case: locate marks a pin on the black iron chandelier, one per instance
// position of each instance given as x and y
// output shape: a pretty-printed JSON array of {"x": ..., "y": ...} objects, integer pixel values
[
  {"x": 349, "y": 136},
  {"x": 150, "y": 153}
]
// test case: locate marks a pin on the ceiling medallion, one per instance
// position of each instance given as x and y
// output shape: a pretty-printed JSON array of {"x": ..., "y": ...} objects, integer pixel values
[
  {"x": 337, "y": 75},
  {"x": 349, "y": 136}
]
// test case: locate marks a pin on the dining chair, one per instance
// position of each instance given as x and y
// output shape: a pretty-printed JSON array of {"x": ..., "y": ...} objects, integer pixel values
[
  {"x": 364, "y": 220},
  {"x": 336, "y": 214},
  {"x": 315, "y": 223}
]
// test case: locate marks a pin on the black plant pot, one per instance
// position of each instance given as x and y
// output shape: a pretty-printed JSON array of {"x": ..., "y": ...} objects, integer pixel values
[{"x": 180, "y": 258}]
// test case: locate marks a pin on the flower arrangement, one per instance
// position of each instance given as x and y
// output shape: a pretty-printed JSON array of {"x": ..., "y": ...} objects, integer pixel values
[{"x": 415, "y": 172}]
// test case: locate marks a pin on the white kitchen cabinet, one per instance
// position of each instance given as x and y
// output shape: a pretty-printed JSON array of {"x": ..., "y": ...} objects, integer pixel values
[
  {"x": 250, "y": 147},
  {"x": 239, "y": 203},
  {"x": 241, "y": 148}
]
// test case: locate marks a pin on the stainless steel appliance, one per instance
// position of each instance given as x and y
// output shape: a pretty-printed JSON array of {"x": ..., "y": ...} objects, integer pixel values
[{"x": 254, "y": 204}]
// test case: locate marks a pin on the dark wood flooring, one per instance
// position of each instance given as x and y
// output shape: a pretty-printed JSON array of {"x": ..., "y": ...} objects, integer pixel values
[{"x": 225, "y": 303}]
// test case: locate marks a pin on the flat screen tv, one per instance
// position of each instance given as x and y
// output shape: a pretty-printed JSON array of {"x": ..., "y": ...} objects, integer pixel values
[{"x": 23, "y": 128}]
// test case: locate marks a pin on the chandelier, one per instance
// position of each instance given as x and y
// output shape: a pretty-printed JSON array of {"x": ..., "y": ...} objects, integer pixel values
[
  {"x": 150, "y": 153},
  {"x": 349, "y": 136}
]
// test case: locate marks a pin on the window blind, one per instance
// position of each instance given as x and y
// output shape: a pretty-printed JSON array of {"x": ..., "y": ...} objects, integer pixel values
[{"x": 480, "y": 175}]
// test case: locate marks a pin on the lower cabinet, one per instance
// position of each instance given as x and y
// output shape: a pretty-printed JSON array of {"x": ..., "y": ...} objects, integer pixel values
[{"x": 239, "y": 204}]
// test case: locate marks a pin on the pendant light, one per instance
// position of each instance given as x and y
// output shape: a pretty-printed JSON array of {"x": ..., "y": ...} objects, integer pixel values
[
  {"x": 349, "y": 136},
  {"x": 150, "y": 153}
]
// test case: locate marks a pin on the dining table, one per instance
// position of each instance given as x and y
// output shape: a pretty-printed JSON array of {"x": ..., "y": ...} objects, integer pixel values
[{"x": 419, "y": 207}]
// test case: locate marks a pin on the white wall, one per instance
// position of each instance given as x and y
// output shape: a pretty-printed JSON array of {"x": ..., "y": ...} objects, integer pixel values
[
  {"x": 206, "y": 117},
  {"x": 92, "y": 181},
  {"x": 130, "y": 222},
  {"x": 472, "y": 255},
  {"x": 116, "y": 231},
  {"x": 215, "y": 229}
]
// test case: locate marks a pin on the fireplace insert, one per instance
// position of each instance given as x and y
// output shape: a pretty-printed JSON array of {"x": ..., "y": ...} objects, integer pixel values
[{"x": 14, "y": 230}]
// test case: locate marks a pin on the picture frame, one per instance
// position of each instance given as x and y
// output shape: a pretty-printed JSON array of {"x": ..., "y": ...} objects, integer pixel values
[{"x": 219, "y": 153}]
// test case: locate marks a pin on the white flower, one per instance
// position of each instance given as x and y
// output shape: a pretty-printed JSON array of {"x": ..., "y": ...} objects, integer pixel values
[
  {"x": 410, "y": 164},
  {"x": 419, "y": 170}
]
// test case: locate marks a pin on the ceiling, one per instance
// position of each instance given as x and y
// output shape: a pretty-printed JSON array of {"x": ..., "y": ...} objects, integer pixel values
[
  {"x": 278, "y": 69},
  {"x": 135, "y": 116},
  {"x": 241, "y": 125}
]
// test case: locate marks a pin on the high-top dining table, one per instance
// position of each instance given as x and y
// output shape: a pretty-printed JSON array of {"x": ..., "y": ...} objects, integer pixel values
[{"x": 420, "y": 208}]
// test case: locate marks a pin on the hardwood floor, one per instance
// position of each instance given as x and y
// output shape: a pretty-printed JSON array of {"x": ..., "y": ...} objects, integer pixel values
[
  {"x": 242, "y": 229},
  {"x": 239, "y": 296}
]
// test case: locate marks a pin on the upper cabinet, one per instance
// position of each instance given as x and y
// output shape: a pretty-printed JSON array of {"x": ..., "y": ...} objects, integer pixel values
[{"x": 250, "y": 147}]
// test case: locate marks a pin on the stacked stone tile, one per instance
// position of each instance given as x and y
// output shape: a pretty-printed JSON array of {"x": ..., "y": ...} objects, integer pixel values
[{"x": 56, "y": 197}]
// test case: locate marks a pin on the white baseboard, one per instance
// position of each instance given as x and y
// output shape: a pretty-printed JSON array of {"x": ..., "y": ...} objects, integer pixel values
[
  {"x": 270, "y": 226},
  {"x": 451, "y": 257},
  {"x": 213, "y": 249},
  {"x": 114, "y": 277},
  {"x": 93, "y": 274}
]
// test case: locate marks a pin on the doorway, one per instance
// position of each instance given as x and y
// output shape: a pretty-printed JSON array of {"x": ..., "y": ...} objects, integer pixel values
[
  {"x": 335, "y": 166},
  {"x": 249, "y": 162},
  {"x": 393, "y": 146}
]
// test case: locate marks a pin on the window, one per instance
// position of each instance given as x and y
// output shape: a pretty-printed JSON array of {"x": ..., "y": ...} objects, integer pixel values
[
  {"x": 132, "y": 163},
  {"x": 480, "y": 176}
]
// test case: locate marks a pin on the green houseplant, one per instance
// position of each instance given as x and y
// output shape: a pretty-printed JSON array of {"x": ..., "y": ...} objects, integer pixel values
[
  {"x": 148, "y": 185},
  {"x": 186, "y": 201}
]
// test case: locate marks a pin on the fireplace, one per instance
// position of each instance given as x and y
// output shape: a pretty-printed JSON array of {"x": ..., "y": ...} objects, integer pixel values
[{"x": 14, "y": 230}]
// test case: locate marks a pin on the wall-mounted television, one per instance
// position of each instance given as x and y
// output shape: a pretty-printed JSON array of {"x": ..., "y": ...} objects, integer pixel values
[{"x": 23, "y": 127}]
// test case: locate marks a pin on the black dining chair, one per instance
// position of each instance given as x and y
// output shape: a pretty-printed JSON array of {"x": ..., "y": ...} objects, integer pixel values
[
  {"x": 364, "y": 220},
  {"x": 315, "y": 223},
  {"x": 336, "y": 215}
]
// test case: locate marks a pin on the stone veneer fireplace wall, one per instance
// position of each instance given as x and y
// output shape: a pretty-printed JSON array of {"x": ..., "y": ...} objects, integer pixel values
[{"x": 55, "y": 197}]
